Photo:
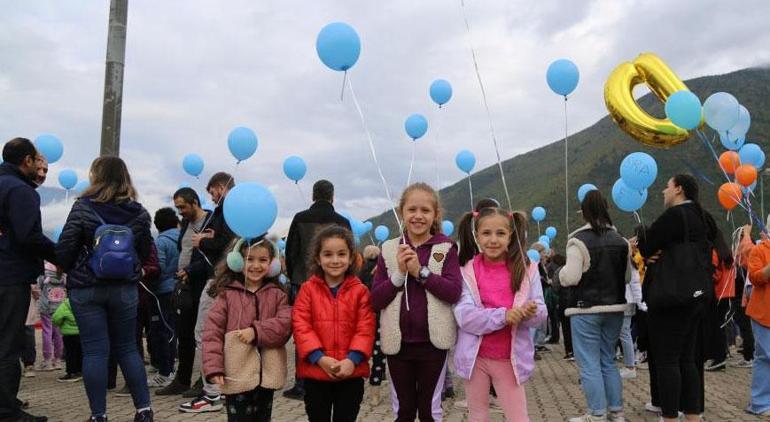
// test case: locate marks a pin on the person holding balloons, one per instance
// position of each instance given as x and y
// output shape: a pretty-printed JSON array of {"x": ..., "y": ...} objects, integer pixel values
[
  {"x": 417, "y": 281},
  {"x": 597, "y": 269},
  {"x": 679, "y": 243},
  {"x": 502, "y": 299}
]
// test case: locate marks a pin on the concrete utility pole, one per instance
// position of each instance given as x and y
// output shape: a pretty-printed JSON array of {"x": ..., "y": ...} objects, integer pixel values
[{"x": 113, "y": 78}]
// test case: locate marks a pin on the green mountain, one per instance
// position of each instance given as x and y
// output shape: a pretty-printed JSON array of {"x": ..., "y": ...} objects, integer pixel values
[{"x": 537, "y": 177}]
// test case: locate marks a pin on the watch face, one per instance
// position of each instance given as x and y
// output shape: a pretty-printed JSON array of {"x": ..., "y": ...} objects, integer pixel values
[{"x": 424, "y": 272}]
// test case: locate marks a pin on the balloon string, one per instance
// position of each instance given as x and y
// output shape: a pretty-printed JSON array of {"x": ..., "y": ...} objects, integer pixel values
[
  {"x": 566, "y": 171},
  {"x": 438, "y": 118},
  {"x": 66, "y": 198},
  {"x": 342, "y": 91},
  {"x": 374, "y": 153},
  {"x": 302, "y": 194},
  {"x": 411, "y": 164},
  {"x": 638, "y": 218},
  {"x": 470, "y": 191},
  {"x": 538, "y": 229},
  {"x": 486, "y": 105}
]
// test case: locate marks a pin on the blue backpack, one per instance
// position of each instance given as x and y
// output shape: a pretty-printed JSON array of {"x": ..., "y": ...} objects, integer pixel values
[{"x": 113, "y": 255}]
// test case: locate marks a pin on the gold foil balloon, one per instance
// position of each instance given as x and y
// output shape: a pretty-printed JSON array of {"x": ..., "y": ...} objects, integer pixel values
[{"x": 648, "y": 69}]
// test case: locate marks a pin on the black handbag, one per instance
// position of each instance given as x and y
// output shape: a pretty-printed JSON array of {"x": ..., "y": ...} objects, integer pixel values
[{"x": 681, "y": 276}]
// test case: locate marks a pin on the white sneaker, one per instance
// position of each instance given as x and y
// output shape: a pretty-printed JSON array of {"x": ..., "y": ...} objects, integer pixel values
[
  {"x": 627, "y": 373},
  {"x": 741, "y": 363},
  {"x": 589, "y": 418},
  {"x": 653, "y": 409},
  {"x": 46, "y": 366},
  {"x": 617, "y": 417},
  {"x": 159, "y": 381}
]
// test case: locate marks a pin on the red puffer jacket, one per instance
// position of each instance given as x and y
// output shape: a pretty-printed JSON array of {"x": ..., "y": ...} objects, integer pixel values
[
  {"x": 334, "y": 325},
  {"x": 235, "y": 309}
]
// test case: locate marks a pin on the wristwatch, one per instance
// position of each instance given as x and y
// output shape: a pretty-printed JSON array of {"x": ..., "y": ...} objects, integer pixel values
[{"x": 424, "y": 274}]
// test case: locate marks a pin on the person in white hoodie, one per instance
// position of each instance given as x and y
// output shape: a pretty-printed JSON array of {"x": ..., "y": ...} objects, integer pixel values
[{"x": 634, "y": 301}]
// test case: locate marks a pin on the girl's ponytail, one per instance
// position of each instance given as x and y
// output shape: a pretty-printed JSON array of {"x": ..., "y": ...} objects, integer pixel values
[{"x": 466, "y": 240}]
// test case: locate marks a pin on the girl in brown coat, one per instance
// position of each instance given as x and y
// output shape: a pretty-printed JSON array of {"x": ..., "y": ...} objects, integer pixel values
[{"x": 250, "y": 309}]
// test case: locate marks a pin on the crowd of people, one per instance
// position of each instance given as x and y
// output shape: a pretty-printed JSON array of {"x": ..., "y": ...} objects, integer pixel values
[{"x": 671, "y": 297}]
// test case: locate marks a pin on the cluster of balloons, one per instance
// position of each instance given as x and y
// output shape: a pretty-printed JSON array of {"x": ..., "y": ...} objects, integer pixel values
[
  {"x": 294, "y": 168},
  {"x": 744, "y": 167},
  {"x": 637, "y": 173}
]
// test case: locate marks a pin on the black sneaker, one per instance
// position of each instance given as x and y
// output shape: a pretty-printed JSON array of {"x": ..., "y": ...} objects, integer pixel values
[
  {"x": 715, "y": 366},
  {"x": 449, "y": 393},
  {"x": 26, "y": 417},
  {"x": 569, "y": 357},
  {"x": 295, "y": 393},
  {"x": 196, "y": 390},
  {"x": 70, "y": 378},
  {"x": 542, "y": 348},
  {"x": 144, "y": 416},
  {"x": 173, "y": 389},
  {"x": 102, "y": 418}
]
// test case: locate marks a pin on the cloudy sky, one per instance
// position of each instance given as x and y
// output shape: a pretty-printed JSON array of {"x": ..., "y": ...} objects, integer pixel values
[{"x": 195, "y": 69}]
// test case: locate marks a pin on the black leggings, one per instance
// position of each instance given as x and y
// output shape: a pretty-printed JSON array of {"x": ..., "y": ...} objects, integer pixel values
[
  {"x": 673, "y": 341},
  {"x": 252, "y": 406}
]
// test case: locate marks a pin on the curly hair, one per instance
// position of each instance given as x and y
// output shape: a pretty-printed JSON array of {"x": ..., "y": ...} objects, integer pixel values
[{"x": 331, "y": 232}]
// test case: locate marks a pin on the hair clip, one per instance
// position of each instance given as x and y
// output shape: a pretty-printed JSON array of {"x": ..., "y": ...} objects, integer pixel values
[{"x": 475, "y": 214}]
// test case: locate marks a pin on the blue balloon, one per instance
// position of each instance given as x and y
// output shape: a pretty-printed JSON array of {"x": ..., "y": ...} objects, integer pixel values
[
  {"x": 562, "y": 77},
  {"x": 533, "y": 255},
  {"x": 57, "y": 233},
  {"x": 381, "y": 233},
  {"x": 683, "y": 108},
  {"x": 281, "y": 244},
  {"x": 465, "y": 161},
  {"x": 638, "y": 170},
  {"x": 626, "y": 198},
  {"x": 721, "y": 111},
  {"x": 538, "y": 214},
  {"x": 358, "y": 228},
  {"x": 416, "y": 125},
  {"x": 81, "y": 186},
  {"x": 551, "y": 232},
  {"x": 544, "y": 240},
  {"x": 447, "y": 227},
  {"x": 741, "y": 127},
  {"x": 368, "y": 226},
  {"x": 730, "y": 141},
  {"x": 50, "y": 146},
  {"x": 250, "y": 210},
  {"x": 752, "y": 154},
  {"x": 68, "y": 179},
  {"x": 440, "y": 91},
  {"x": 338, "y": 46},
  {"x": 294, "y": 168},
  {"x": 193, "y": 165},
  {"x": 584, "y": 189},
  {"x": 242, "y": 143}
]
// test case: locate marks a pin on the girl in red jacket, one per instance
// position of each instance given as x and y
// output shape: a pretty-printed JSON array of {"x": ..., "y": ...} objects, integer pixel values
[
  {"x": 333, "y": 329},
  {"x": 250, "y": 308}
]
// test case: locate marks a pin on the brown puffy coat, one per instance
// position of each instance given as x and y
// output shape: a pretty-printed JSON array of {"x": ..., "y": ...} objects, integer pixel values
[{"x": 267, "y": 311}]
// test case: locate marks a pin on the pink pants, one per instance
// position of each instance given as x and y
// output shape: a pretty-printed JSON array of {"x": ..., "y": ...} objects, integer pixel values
[
  {"x": 510, "y": 396},
  {"x": 53, "y": 346}
]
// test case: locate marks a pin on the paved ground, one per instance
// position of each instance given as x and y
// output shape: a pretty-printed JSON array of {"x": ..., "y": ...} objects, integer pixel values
[{"x": 553, "y": 394}]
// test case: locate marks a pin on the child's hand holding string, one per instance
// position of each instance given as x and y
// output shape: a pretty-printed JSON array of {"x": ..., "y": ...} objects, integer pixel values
[{"x": 246, "y": 335}]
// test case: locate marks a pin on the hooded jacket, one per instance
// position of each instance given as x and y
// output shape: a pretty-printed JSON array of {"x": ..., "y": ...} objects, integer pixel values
[
  {"x": 22, "y": 243},
  {"x": 77, "y": 237}
]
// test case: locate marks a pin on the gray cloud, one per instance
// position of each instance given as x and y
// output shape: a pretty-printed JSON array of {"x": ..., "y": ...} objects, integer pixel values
[{"x": 196, "y": 69}]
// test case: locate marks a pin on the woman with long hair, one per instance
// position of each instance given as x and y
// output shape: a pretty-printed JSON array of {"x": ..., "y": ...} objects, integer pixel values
[{"x": 102, "y": 283}]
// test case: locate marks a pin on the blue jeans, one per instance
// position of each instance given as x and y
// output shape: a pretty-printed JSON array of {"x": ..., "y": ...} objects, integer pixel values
[
  {"x": 594, "y": 337},
  {"x": 760, "y": 377},
  {"x": 627, "y": 343},
  {"x": 106, "y": 317}
]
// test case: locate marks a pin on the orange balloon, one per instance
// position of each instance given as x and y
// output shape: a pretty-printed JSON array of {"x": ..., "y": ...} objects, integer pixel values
[
  {"x": 746, "y": 174},
  {"x": 730, "y": 195},
  {"x": 729, "y": 161}
]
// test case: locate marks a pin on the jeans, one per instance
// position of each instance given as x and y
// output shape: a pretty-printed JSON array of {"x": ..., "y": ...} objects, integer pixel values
[
  {"x": 760, "y": 376},
  {"x": 106, "y": 316},
  {"x": 627, "y": 343},
  {"x": 594, "y": 337},
  {"x": 674, "y": 336},
  {"x": 14, "y": 304},
  {"x": 162, "y": 336}
]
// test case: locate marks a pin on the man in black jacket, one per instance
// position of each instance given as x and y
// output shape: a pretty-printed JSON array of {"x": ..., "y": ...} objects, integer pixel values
[
  {"x": 195, "y": 268},
  {"x": 22, "y": 249},
  {"x": 303, "y": 228}
]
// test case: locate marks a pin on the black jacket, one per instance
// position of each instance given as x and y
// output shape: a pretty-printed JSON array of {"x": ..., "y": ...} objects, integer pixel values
[
  {"x": 604, "y": 282},
  {"x": 22, "y": 243},
  {"x": 214, "y": 248},
  {"x": 77, "y": 237},
  {"x": 301, "y": 232},
  {"x": 201, "y": 267}
]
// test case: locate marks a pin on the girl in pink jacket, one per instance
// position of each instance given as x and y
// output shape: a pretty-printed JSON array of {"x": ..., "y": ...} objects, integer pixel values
[{"x": 501, "y": 300}]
